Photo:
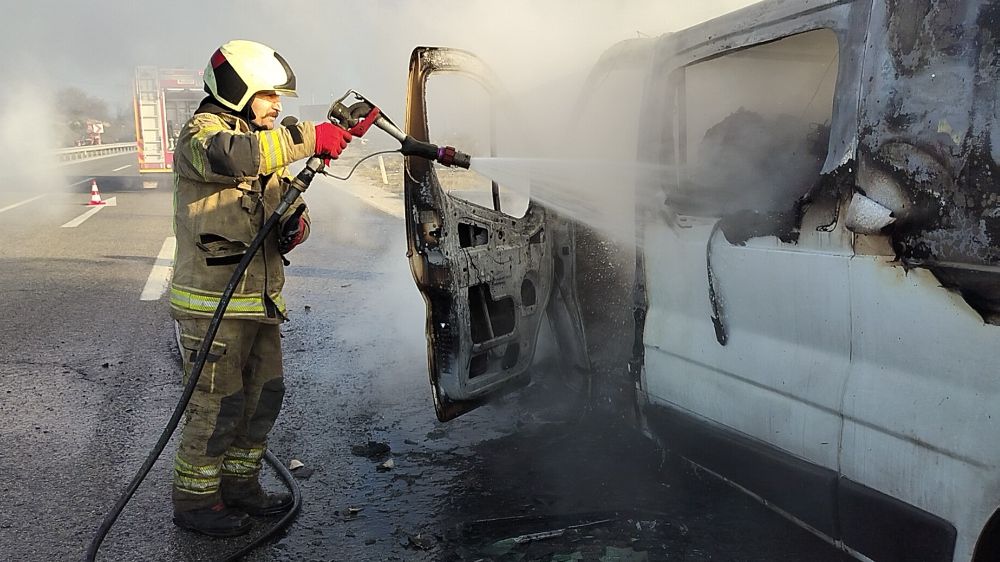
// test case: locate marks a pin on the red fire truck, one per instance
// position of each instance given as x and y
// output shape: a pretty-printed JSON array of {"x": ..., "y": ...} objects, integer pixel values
[{"x": 165, "y": 98}]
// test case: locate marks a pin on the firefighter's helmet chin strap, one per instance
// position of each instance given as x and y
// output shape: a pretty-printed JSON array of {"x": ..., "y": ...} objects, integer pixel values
[{"x": 247, "y": 115}]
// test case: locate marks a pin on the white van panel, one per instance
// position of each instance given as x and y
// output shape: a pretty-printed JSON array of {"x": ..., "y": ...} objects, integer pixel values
[
  {"x": 923, "y": 392},
  {"x": 780, "y": 378}
]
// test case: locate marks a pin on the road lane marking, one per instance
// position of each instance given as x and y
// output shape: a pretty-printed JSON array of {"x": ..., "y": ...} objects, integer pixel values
[
  {"x": 113, "y": 202},
  {"x": 122, "y": 167},
  {"x": 159, "y": 277},
  {"x": 79, "y": 182},
  {"x": 25, "y": 202}
]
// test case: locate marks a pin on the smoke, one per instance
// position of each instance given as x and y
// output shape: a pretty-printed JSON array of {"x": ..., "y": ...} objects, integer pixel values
[
  {"x": 746, "y": 133},
  {"x": 27, "y": 139},
  {"x": 541, "y": 54},
  {"x": 540, "y": 51},
  {"x": 386, "y": 327},
  {"x": 332, "y": 46}
]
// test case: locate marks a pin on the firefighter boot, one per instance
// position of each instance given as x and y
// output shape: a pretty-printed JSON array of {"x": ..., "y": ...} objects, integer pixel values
[
  {"x": 218, "y": 520},
  {"x": 248, "y": 495}
]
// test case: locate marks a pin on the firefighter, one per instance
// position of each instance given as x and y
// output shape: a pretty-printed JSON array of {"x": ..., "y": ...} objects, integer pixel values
[{"x": 229, "y": 176}]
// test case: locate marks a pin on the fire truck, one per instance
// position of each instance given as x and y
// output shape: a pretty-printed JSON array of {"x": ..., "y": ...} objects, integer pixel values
[{"x": 165, "y": 98}]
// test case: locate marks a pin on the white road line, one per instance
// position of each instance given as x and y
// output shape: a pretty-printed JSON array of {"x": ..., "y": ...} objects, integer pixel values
[
  {"x": 122, "y": 167},
  {"x": 25, "y": 202},
  {"x": 79, "y": 220},
  {"x": 79, "y": 182},
  {"x": 388, "y": 203},
  {"x": 159, "y": 277}
]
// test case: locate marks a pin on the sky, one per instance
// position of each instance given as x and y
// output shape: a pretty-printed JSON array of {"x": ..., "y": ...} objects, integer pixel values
[{"x": 331, "y": 45}]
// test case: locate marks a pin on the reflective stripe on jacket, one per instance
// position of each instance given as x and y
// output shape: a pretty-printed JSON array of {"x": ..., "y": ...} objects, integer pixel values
[
  {"x": 227, "y": 182},
  {"x": 239, "y": 305}
]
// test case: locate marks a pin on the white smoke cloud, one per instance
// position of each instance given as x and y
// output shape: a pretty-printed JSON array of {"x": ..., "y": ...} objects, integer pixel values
[
  {"x": 27, "y": 137},
  {"x": 332, "y": 45}
]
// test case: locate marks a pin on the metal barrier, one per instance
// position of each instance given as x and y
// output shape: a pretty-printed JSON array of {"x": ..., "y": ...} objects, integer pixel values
[{"x": 66, "y": 155}]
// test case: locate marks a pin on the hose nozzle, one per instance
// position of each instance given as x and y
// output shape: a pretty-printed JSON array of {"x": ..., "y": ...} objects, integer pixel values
[
  {"x": 450, "y": 157},
  {"x": 445, "y": 155}
]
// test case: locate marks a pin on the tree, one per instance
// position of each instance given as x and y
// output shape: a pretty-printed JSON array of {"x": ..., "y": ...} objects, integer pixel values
[
  {"x": 74, "y": 108},
  {"x": 75, "y": 105}
]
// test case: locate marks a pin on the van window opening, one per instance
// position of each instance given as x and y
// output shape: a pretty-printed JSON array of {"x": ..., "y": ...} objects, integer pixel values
[
  {"x": 752, "y": 126},
  {"x": 462, "y": 113}
]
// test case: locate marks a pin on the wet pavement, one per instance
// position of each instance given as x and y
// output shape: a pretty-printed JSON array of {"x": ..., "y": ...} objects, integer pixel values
[{"x": 538, "y": 475}]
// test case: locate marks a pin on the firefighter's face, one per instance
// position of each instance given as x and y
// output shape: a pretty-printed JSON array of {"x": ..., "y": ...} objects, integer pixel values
[{"x": 266, "y": 106}]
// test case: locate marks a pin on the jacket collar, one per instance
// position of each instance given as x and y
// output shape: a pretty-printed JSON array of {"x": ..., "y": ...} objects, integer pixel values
[{"x": 211, "y": 106}]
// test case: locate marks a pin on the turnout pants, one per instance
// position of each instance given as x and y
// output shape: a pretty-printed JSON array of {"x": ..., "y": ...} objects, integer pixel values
[{"x": 233, "y": 408}]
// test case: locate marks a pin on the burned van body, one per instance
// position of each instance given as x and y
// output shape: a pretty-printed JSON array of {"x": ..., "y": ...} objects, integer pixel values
[{"x": 810, "y": 307}]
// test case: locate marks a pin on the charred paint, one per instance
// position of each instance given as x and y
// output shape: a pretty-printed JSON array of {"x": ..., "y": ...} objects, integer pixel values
[
  {"x": 929, "y": 118},
  {"x": 917, "y": 23},
  {"x": 923, "y": 76}
]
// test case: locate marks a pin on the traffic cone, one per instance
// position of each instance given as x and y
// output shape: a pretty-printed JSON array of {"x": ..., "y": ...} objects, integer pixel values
[{"x": 95, "y": 194}]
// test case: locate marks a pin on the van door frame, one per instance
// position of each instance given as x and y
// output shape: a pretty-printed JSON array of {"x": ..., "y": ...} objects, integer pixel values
[{"x": 477, "y": 268}]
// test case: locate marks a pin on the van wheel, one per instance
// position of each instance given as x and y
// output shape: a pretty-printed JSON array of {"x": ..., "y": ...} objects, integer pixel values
[{"x": 988, "y": 547}]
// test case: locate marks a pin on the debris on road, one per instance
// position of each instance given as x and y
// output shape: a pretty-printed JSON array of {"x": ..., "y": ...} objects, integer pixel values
[
  {"x": 386, "y": 466},
  {"x": 522, "y": 539},
  {"x": 349, "y": 514},
  {"x": 371, "y": 450},
  {"x": 303, "y": 473},
  {"x": 419, "y": 541},
  {"x": 299, "y": 470}
]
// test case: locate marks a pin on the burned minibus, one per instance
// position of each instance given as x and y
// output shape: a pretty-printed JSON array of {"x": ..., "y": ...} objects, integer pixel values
[{"x": 810, "y": 304}]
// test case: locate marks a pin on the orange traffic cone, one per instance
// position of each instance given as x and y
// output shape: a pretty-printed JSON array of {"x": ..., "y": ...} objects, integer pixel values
[{"x": 95, "y": 194}]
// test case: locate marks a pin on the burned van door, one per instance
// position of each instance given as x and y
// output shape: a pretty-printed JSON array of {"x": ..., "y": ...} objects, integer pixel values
[
  {"x": 748, "y": 325},
  {"x": 485, "y": 275}
]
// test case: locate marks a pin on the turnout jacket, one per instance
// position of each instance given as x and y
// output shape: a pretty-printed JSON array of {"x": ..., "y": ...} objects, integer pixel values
[{"x": 227, "y": 181}]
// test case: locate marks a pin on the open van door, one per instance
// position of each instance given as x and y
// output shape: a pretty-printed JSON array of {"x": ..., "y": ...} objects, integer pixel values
[{"x": 485, "y": 275}]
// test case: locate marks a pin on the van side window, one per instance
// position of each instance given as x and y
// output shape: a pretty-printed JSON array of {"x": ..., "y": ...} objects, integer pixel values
[{"x": 752, "y": 126}]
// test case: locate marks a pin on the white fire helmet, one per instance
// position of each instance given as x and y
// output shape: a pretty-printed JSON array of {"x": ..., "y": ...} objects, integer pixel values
[{"x": 239, "y": 69}]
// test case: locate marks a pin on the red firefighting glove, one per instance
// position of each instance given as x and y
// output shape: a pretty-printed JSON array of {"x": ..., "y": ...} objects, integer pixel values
[
  {"x": 331, "y": 141},
  {"x": 293, "y": 230}
]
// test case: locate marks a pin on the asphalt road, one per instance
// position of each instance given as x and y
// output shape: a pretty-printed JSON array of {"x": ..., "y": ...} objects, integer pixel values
[{"x": 90, "y": 374}]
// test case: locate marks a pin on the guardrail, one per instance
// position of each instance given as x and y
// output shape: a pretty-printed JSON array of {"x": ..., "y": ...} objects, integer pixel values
[{"x": 66, "y": 155}]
